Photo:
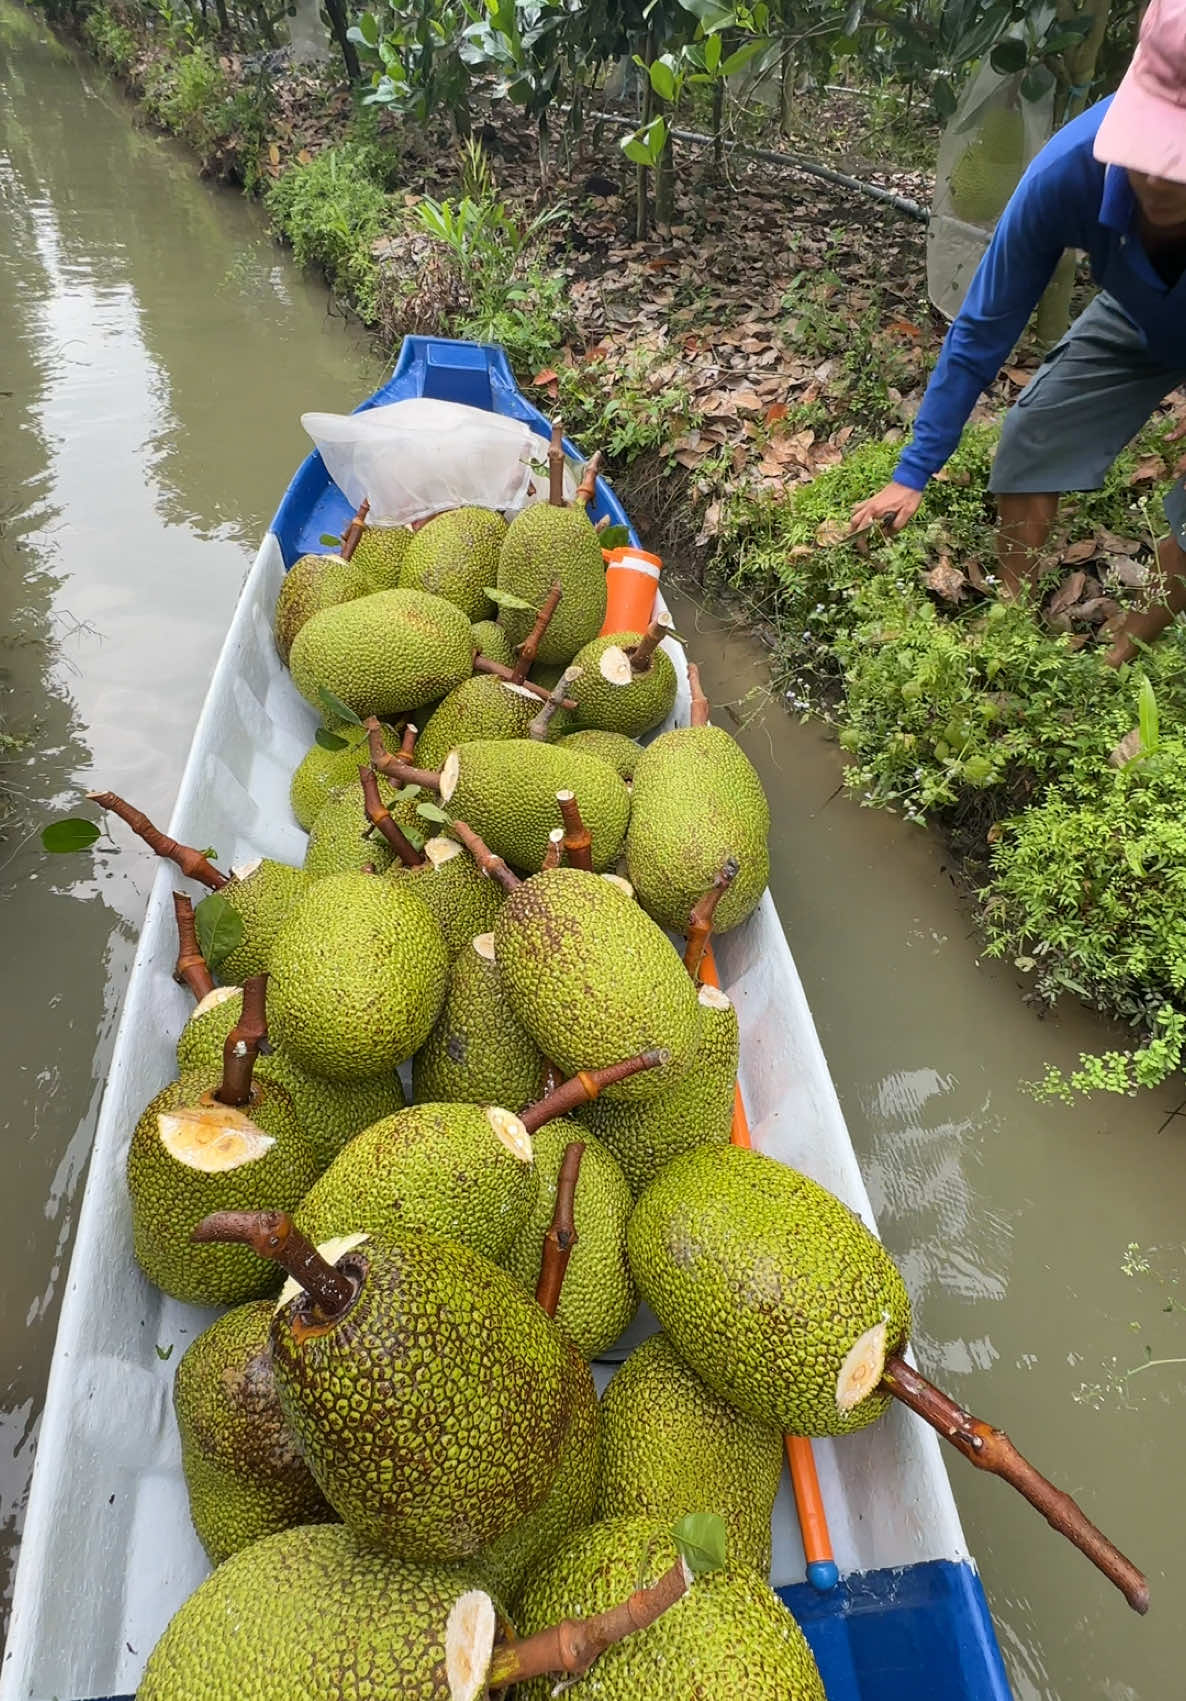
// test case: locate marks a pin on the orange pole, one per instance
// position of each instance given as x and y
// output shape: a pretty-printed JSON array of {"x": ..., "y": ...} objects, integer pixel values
[{"x": 813, "y": 1519}]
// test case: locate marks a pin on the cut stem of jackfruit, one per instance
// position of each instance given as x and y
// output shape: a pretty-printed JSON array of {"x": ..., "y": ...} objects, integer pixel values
[
  {"x": 213, "y": 999},
  {"x": 212, "y": 1138},
  {"x": 331, "y": 1251},
  {"x": 469, "y": 1643},
  {"x": 450, "y": 774},
  {"x": 862, "y": 1368},
  {"x": 713, "y": 998},
  {"x": 440, "y": 851},
  {"x": 510, "y": 1130},
  {"x": 614, "y": 666},
  {"x": 484, "y": 945},
  {"x": 622, "y": 884},
  {"x": 246, "y": 869}
]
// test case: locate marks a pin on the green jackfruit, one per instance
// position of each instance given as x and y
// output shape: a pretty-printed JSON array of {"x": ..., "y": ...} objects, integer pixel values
[
  {"x": 380, "y": 555},
  {"x": 463, "y": 900},
  {"x": 669, "y": 1446},
  {"x": 383, "y": 654},
  {"x": 478, "y": 1052},
  {"x": 461, "y": 1170},
  {"x": 312, "y": 1613},
  {"x": 696, "y": 1111},
  {"x": 506, "y": 791},
  {"x": 330, "y": 1112},
  {"x": 610, "y": 697},
  {"x": 455, "y": 556},
  {"x": 480, "y": 707},
  {"x": 492, "y": 642},
  {"x": 620, "y": 752},
  {"x": 435, "y": 1409},
  {"x": 696, "y": 801},
  {"x": 339, "y": 841},
  {"x": 261, "y": 893},
  {"x": 244, "y": 1475},
  {"x": 544, "y": 544},
  {"x": 594, "y": 981},
  {"x": 189, "y": 1156},
  {"x": 728, "y": 1636},
  {"x": 311, "y": 584},
  {"x": 990, "y": 167},
  {"x": 358, "y": 976},
  {"x": 321, "y": 773},
  {"x": 801, "y": 1349}
]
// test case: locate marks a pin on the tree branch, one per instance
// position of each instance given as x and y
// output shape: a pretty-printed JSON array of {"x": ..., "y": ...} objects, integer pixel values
[{"x": 188, "y": 860}]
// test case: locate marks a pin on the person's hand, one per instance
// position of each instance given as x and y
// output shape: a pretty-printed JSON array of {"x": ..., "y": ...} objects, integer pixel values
[{"x": 895, "y": 503}]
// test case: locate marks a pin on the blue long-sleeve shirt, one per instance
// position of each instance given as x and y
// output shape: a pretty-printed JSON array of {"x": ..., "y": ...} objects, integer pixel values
[{"x": 1066, "y": 199}]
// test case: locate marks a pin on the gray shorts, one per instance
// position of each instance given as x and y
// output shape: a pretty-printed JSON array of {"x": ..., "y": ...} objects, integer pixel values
[{"x": 1094, "y": 391}]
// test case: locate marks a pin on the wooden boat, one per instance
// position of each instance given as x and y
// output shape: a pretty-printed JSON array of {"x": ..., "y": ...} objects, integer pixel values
[{"x": 108, "y": 1551}]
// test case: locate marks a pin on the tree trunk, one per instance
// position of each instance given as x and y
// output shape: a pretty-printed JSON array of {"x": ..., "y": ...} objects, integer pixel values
[
  {"x": 339, "y": 24},
  {"x": 718, "y": 119},
  {"x": 224, "y": 22},
  {"x": 786, "y": 92},
  {"x": 1078, "y": 68},
  {"x": 665, "y": 172},
  {"x": 640, "y": 171}
]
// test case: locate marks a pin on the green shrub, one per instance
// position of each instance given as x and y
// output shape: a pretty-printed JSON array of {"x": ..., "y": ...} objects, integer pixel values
[
  {"x": 332, "y": 211},
  {"x": 190, "y": 95},
  {"x": 110, "y": 40}
]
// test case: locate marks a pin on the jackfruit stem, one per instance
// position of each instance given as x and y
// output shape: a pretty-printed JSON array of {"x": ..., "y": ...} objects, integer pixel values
[
  {"x": 554, "y": 854},
  {"x": 574, "y": 1644},
  {"x": 191, "y": 862},
  {"x": 485, "y": 858},
  {"x": 538, "y": 728},
  {"x": 587, "y": 488},
  {"x": 700, "y": 920},
  {"x": 500, "y": 670},
  {"x": 587, "y": 1084},
  {"x": 407, "y": 741},
  {"x": 990, "y": 1449},
  {"x": 244, "y": 1043},
  {"x": 700, "y": 707},
  {"x": 529, "y": 648},
  {"x": 556, "y": 466},
  {"x": 273, "y": 1235},
  {"x": 561, "y": 1234},
  {"x": 578, "y": 840},
  {"x": 379, "y": 817},
  {"x": 191, "y": 966},
  {"x": 352, "y": 536},
  {"x": 396, "y": 769},
  {"x": 639, "y": 656}
]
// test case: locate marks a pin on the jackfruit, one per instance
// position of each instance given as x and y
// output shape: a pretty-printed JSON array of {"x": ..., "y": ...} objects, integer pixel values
[
  {"x": 669, "y": 1446},
  {"x": 728, "y": 1636},
  {"x": 990, "y": 167},
  {"x": 339, "y": 840},
  {"x": 244, "y": 1475},
  {"x": 435, "y": 1409},
  {"x": 544, "y": 544},
  {"x": 696, "y": 802},
  {"x": 463, "y": 900},
  {"x": 593, "y": 980},
  {"x": 190, "y": 1155},
  {"x": 380, "y": 554},
  {"x": 455, "y": 556},
  {"x": 480, "y": 707},
  {"x": 311, "y": 584},
  {"x": 620, "y": 752},
  {"x": 770, "y": 1289},
  {"x": 383, "y": 654},
  {"x": 358, "y": 976},
  {"x": 492, "y": 642},
  {"x": 598, "y": 1299},
  {"x": 696, "y": 1111},
  {"x": 321, "y": 773},
  {"x": 313, "y": 1613},
  {"x": 478, "y": 1052},
  {"x": 506, "y": 791},
  {"x": 261, "y": 893},
  {"x": 611, "y": 697},
  {"x": 329, "y": 1112},
  {"x": 461, "y": 1170}
]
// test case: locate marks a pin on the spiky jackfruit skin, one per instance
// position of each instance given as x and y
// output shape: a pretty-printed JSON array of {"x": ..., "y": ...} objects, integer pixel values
[
  {"x": 598, "y": 1299},
  {"x": 506, "y": 791},
  {"x": 244, "y": 1475},
  {"x": 439, "y": 1168},
  {"x": 455, "y": 556},
  {"x": 481, "y": 707},
  {"x": 169, "y": 1198},
  {"x": 338, "y": 839},
  {"x": 643, "y": 702},
  {"x": 492, "y": 642},
  {"x": 320, "y": 773},
  {"x": 383, "y": 654},
  {"x": 544, "y": 544},
  {"x": 696, "y": 1111},
  {"x": 433, "y": 1413},
  {"x": 261, "y": 900},
  {"x": 380, "y": 555},
  {"x": 764, "y": 1281},
  {"x": 309, "y": 1612},
  {"x": 478, "y": 1052},
  {"x": 329, "y": 1112},
  {"x": 594, "y": 981},
  {"x": 311, "y": 584},
  {"x": 358, "y": 976},
  {"x": 463, "y": 900},
  {"x": 697, "y": 800},
  {"x": 670, "y": 1446},
  {"x": 614, "y": 748},
  {"x": 990, "y": 167},
  {"x": 729, "y": 1635}
]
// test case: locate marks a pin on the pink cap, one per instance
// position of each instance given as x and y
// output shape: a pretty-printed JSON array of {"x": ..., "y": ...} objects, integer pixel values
[{"x": 1144, "y": 129}]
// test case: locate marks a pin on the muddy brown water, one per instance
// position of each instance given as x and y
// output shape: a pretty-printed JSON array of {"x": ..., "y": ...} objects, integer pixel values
[{"x": 156, "y": 353}]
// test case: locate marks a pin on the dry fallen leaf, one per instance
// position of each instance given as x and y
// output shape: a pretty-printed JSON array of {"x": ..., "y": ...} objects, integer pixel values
[
  {"x": 1067, "y": 593},
  {"x": 1082, "y": 550},
  {"x": 946, "y": 581},
  {"x": 1127, "y": 572},
  {"x": 978, "y": 578},
  {"x": 1147, "y": 469},
  {"x": 1129, "y": 746},
  {"x": 1113, "y": 544},
  {"x": 1094, "y": 610},
  {"x": 273, "y": 153},
  {"x": 1018, "y": 375},
  {"x": 775, "y": 412}
]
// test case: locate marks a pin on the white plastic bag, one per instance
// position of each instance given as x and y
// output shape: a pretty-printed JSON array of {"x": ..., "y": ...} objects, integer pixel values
[{"x": 415, "y": 458}]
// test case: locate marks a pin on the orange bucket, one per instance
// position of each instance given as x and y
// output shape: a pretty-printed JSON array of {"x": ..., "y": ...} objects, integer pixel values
[{"x": 631, "y": 580}]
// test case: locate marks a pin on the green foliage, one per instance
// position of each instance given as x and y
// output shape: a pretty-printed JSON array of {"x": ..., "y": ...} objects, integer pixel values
[
  {"x": 332, "y": 210},
  {"x": 626, "y": 412},
  {"x": 190, "y": 95},
  {"x": 110, "y": 39}
]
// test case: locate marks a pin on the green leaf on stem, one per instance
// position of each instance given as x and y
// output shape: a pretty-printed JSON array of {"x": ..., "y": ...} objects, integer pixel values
[
  {"x": 430, "y": 812},
  {"x": 219, "y": 928},
  {"x": 330, "y": 541},
  {"x": 335, "y": 706},
  {"x": 73, "y": 834},
  {"x": 614, "y": 537},
  {"x": 504, "y": 599},
  {"x": 700, "y": 1538}
]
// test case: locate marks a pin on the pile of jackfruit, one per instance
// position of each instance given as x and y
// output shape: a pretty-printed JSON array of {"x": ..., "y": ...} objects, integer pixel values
[{"x": 397, "y": 1461}]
